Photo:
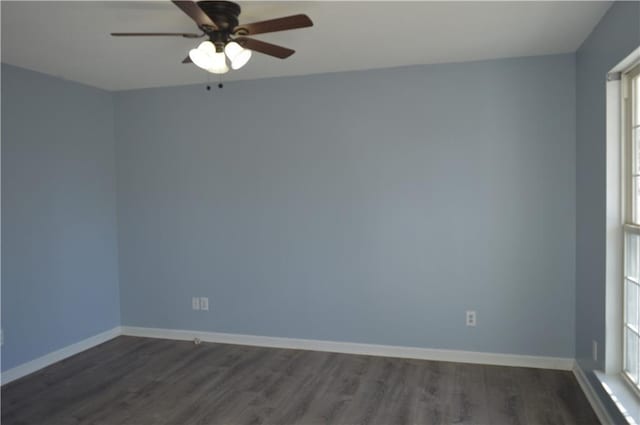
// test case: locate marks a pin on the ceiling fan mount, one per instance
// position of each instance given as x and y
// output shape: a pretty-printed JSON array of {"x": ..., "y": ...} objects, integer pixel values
[
  {"x": 223, "y": 13},
  {"x": 219, "y": 22}
]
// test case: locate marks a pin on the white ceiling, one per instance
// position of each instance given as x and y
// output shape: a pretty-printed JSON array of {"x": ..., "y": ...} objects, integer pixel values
[{"x": 71, "y": 39}]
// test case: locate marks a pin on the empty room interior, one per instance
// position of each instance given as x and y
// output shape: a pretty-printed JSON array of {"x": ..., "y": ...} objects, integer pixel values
[{"x": 320, "y": 212}]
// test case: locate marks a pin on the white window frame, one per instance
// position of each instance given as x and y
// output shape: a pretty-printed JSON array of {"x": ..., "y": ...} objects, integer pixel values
[{"x": 629, "y": 227}]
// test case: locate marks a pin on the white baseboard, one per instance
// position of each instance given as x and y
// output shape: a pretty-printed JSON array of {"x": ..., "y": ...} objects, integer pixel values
[
  {"x": 590, "y": 393},
  {"x": 560, "y": 363},
  {"x": 55, "y": 356}
]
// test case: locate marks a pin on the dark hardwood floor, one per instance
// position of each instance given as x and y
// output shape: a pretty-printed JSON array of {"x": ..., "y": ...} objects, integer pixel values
[{"x": 150, "y": 381}]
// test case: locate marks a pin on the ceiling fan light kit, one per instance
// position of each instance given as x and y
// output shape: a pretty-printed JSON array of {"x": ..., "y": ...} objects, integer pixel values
[
  {"x": 218, "y": 20},
  {"x": 208, "y": 58}
]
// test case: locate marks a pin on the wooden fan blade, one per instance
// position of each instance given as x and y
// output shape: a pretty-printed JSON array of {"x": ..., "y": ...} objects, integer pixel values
[
  {"x": 186, "y": 60},
  {"x": 273, "y": 25},
  {"x": 266, "y": 48},
  {"x": 156, "y": 34},
  {"x": 193, "y": 10}
]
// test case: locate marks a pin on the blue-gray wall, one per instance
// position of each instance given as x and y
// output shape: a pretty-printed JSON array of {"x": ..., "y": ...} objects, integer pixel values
[
  {"x": 370, "y": 206},
  {"x": 614, "y": 38},
  {"x": 59, "y": 249}
]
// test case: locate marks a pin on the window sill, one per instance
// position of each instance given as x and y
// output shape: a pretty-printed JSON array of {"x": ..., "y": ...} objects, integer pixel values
[{"x": 624, "y": 397}]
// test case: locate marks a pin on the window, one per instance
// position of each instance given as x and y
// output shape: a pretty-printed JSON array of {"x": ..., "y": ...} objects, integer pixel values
[{"x": 631, "y": 184}]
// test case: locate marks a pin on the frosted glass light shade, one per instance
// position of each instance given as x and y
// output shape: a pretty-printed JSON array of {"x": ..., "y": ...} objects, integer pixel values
[
  {"x": 232, "y": 49},
  {"x": 200, "y": 58},
  {"x": 218, "y": 64},
  {"x": 241, "y": 60},
  {"x": 237, "y": 55},
  {"x": 207, "y": 47}
]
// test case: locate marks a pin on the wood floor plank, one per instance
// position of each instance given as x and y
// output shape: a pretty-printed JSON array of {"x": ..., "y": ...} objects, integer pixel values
[
  {"x": 219, "y": 383},
  {"x": 338, "y": 392},
  {"x": 184, "y": 366},
  {"x": 469, "y": 401},
  {"x": 141, "y": 381},
  {"x": 569, "y": 398},
  {"x": 312, "y": 386},
  {"x": 374, "y": 388},
  {"x": 538, "y": 396},
  {"x": 395, "y": 407},
  {"x": 435, "y": 393},
  {"x": 18, "y": 392},
  {"x": 503, "y": 394},
  {"x": 55, "y": 402}
]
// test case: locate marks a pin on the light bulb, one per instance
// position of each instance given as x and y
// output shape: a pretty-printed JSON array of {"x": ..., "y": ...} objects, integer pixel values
[
  {"x": 237, "y": 55},
  {"x": 218, "y": 63}
]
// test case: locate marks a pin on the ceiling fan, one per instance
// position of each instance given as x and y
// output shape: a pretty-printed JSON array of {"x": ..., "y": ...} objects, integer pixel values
[{"x": 218, "y": 21}]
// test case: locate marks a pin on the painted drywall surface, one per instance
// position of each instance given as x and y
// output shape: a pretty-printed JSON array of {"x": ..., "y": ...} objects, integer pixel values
[
  {"x": 59, "y": 238},
  {"x": 368, "y": 207},
  {"x": 614, "y": 38}
]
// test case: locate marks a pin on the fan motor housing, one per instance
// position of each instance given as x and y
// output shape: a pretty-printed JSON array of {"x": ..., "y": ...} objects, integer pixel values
[{"x": 223, "y": 13}]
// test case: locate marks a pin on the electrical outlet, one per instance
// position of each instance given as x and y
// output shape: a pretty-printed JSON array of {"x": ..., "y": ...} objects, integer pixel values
[
  {"x": 594, "y": 350},
  {"x": 204, "y": 303},
  {"x": 471, "y": 318},
  {"x": 195, "y": 303}
]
